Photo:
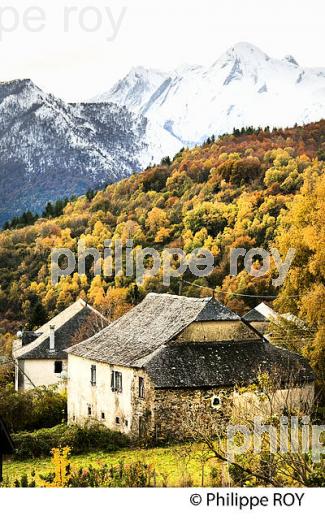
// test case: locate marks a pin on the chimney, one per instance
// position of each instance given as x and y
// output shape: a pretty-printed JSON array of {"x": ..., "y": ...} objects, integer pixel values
[{"x": 52, "y": 338}]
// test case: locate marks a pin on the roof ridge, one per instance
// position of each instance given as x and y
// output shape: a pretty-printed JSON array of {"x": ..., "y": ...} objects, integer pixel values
[{"x": 155, "y": 321}]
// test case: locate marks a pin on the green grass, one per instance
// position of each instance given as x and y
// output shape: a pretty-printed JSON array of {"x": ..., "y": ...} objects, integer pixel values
[{"x": 172, "y": 464}]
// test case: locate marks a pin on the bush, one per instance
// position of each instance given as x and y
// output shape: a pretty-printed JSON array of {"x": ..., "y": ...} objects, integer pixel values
[
  {"x": 137, "y": 474},
  {"x": 37, "y": 408},
  {"x": 92, "y": 437}
]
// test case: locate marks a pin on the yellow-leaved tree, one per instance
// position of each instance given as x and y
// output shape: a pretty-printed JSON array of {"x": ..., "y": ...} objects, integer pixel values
[{"x": 303, "y": 228}]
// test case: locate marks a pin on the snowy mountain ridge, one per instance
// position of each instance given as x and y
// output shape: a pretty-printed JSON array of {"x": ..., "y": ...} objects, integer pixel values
[
  {"x": 50, "y": 149},
  {"x": 243, "y": 87}
]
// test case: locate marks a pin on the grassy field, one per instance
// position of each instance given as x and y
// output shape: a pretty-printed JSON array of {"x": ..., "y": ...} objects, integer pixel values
[{"x": 174, "y": 466}]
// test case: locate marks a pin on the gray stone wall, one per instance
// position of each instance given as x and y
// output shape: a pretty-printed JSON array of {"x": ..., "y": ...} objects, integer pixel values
[{"x": 186, "y": 413}]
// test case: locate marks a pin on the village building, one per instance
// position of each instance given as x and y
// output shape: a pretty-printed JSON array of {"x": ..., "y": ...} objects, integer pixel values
[
  {"x": 40, "y": 356},
  {"x": 260, "y": 317},
  {"x": 144, "y": 373}
]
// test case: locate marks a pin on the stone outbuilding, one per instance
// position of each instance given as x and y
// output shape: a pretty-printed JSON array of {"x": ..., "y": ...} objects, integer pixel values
[
  {"x": 40, "y": 356},
  {"x": 143, "y": 373}
]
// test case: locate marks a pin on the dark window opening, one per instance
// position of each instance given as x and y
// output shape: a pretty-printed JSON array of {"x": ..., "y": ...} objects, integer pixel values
[
  {"x": 141, "y": 387},
  {"x": 89, "y": 410},
  {"x": 216, "y": 401},
  {"x": 93, "y": 375},
  {"x": 126, "y": 422},
  {"x": 58, "y": 367},
  {"x": 116, "y": 381},
  {"x": 103, "y": 415},
  {"x": 117, "y": 420}
]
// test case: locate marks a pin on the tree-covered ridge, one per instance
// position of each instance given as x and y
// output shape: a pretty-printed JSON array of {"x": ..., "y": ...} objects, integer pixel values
[{"x": 249, "y": 189}]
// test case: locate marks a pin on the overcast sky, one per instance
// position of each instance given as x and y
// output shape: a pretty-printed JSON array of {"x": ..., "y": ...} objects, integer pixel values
[{"x": 103, "y": 39}]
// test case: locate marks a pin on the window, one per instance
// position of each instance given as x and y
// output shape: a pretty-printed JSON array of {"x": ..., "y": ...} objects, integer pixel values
[
  {"x": 126, "y": 422},
  {"x": 89, "y": 410},
  {"x": 116, "y": 381},
  {"x": 58, "y": 367},
  {"x": 141, "y": 387},
  {"x": 93, "y": 375},
  {"x": 117, "y": 420},
  {"x": 215, "y": 401},
  {"x": 103, "y": 416}
]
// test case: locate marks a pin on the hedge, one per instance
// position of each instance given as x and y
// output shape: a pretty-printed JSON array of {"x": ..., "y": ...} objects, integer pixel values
[{"x": 92, "y": 437}]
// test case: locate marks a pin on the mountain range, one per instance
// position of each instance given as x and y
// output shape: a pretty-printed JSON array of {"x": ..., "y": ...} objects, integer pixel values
[
  {"x": 243, "y": 87},
  {"x": 50, "y": 149}
]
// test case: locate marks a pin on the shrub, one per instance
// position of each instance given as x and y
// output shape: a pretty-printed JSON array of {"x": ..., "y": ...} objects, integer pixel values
[
  {"x": 37, "y": 408},
  {"x": 136, "y": 474},
  {"x": 92, "y": 437}
]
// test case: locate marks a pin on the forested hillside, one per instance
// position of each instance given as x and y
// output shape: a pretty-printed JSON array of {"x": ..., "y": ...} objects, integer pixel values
[{"x": 253, "y": 188}]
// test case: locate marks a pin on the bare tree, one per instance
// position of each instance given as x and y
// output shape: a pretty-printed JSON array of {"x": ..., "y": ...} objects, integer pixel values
[
  {"x": 268, "y": 399},
  {"x": 89, "y": 328}
]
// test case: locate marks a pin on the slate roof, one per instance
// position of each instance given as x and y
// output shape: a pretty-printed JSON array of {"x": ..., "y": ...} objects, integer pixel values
[
  {"x": 66, "y": 324},
  {"x": 254, "y": 315},
  {"x": 224, "y": 364},
  {"x": 155, "y": 321},
  {"x": 262, "y": 312}
]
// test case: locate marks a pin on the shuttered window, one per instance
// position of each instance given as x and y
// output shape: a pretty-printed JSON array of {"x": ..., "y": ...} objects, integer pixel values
[{"x": 116, "y": 381}]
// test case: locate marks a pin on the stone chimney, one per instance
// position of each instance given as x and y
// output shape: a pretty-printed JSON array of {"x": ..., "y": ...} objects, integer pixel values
[{"x": 52, "y": 338}]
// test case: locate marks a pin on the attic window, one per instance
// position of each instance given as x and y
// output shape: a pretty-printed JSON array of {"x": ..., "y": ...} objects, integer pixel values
[
  {"x": 58, "y": 367},
  {"x": 117, "y": 420},
  {"x": 89, "y": 410},
  {"x": 103, "y": 416},
  {"x": 116, "y": 381},
  {"x": 215, "y": 401}
]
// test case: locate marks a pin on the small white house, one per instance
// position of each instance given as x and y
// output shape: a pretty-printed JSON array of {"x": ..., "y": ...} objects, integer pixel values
[{"x": 40, "y": 357}]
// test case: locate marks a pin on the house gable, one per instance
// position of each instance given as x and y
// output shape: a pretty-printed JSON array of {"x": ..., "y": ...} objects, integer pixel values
[{"x": 66, "y": 325}]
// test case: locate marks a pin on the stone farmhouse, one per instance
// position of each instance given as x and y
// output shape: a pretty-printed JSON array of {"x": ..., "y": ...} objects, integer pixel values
[
  {"x": 40, "y": 356},
  {"x": 143, "y": 373}
]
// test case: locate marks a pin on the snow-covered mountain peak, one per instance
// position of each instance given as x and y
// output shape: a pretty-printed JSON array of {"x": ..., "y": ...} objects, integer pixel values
[
  {"x": 135, "y": 89},
  {"x": 51, "y": 149},
  {"x": 16, "y": 86},
  {"x": 244, "y": 86},
  {"x": 241, "y": 61},
  {"x": 245, "y": 50}
]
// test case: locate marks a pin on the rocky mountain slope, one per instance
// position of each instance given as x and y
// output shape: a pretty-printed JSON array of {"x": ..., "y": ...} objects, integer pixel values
[{"x": 50, "y": 149}]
